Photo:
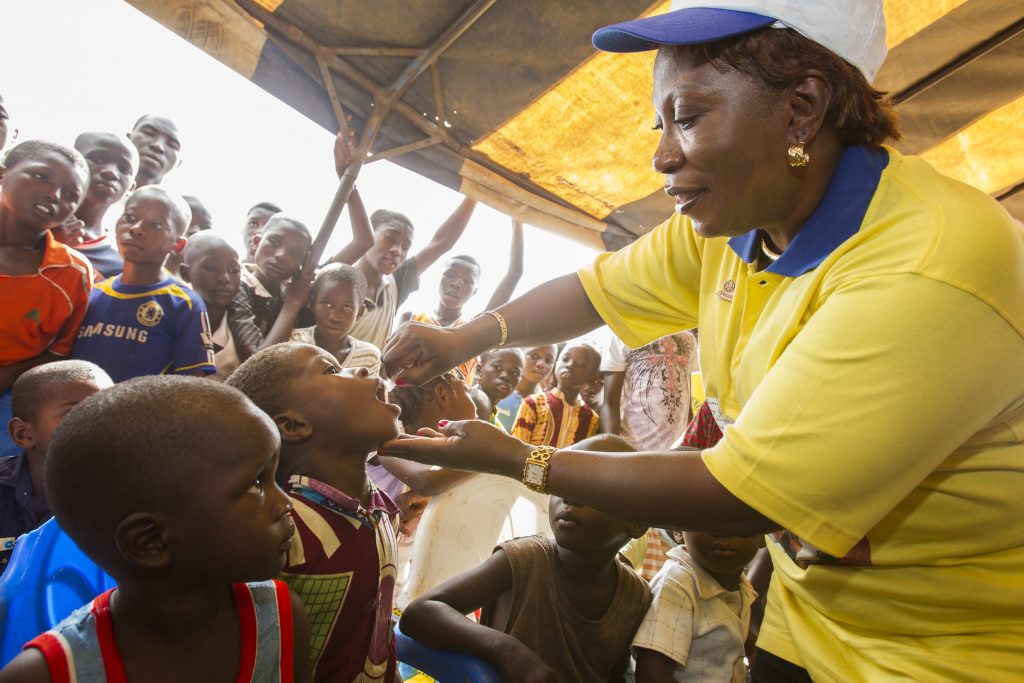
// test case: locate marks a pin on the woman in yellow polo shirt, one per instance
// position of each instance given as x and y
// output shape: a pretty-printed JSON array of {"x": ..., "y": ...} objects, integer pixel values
[{"x": 862, "y": 346}]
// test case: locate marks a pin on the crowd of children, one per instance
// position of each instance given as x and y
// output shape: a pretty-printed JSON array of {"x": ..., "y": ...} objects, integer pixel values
[{"x": 117, "y": 290}]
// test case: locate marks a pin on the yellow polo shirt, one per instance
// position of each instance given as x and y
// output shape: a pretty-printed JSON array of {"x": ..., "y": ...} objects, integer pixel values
[{"x": 871, "y": 388}]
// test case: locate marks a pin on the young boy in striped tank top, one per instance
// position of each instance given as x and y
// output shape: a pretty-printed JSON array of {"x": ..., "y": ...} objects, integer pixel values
[{"x": 181, "y": 508}]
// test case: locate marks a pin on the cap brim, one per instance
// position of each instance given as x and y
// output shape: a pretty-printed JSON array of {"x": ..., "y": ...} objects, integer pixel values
[{"x": 691, "y": 26}]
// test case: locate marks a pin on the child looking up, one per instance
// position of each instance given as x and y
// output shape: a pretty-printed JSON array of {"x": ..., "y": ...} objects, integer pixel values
[
  {"x": 113, "y": 161},
  {"x": 143, "y": 322},
  {"x": 539, "y": 364},
  {"x": 498, "y": 375},
  {"x": 337, "y": 299},
  {"x": 558, "y": 417},
  {"x": 45, "y": 285},
  {"x": 40, "y": 399},
  {"x": 191, "y": 562},
  {"x": 342, "y": 563},
  {"x": 697, "y": 624},
  {"x": 390, "y": 276},
  {"x": 562, "y": 610},
  {"x": 210, "y": 266}
]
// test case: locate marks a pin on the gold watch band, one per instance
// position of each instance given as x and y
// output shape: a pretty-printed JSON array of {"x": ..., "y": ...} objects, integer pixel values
[{"x": 535, "y": 470}]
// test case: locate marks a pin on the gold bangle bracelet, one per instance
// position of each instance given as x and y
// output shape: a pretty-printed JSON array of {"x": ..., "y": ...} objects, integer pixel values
[{"x": 501, "y": 321}]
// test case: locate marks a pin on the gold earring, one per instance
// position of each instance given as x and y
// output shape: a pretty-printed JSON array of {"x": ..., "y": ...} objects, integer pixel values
[{"x": 798, "y": 158}]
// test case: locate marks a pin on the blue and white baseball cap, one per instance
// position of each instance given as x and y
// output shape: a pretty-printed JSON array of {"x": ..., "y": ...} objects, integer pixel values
[{"x": 853, "y": 29}]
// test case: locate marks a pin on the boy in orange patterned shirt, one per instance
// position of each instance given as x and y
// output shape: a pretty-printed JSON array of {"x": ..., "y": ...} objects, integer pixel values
[{"x": 46, "y": 285}]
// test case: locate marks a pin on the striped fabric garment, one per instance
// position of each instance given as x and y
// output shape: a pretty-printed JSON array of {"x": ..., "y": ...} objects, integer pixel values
[
  {"x": 83, "y": 648},
  {"x": 547, "y": 419}
]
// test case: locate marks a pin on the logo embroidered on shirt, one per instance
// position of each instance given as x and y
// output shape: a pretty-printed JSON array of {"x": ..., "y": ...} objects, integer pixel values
[
  {"x": 33, "y": 315},
  {"x": 726, "y": 293},
  {"x": 149, "y": 313}
]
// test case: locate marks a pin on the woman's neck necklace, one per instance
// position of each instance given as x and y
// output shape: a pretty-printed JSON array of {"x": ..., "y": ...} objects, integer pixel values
[{"x": 772, "y": 255}]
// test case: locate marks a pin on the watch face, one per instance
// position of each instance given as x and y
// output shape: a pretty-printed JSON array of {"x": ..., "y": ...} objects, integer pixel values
[{"x": 534, "y": 474}]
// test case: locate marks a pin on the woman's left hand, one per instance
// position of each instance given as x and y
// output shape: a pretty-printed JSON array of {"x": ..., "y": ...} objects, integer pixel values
[{"x": 472, "y": 445}]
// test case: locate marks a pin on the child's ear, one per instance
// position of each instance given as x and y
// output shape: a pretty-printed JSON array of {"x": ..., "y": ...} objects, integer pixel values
[
  {"x": 21, "y": 433},
  {"x": 293, "y": 427},
  {"x": 636, "y": 530},
  {"x": 439, "y": 394},
  {"x": 179, "y": 245},
  {"x": 143, "y": 541},
  {"x": 184, "y": 271}
]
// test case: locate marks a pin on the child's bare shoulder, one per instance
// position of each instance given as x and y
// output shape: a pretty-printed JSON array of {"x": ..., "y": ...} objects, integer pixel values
[{"x": 27, "y": 667}]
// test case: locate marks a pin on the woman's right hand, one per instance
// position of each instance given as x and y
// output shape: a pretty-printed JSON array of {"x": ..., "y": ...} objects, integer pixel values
[
  {"x": 416, "y": 353},
  {"x": 469, "y": 445}
]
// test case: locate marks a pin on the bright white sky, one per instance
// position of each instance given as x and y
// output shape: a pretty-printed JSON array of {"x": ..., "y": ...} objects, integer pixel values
[{"x": 72, "y": 66}]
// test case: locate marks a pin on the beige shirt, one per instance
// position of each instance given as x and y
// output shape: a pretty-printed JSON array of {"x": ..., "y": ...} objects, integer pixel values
[{"x": 696, "y": 622}]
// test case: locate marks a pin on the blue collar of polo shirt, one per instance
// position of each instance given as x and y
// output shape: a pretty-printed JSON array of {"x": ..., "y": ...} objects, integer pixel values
[{"x": 837, "y": 218}]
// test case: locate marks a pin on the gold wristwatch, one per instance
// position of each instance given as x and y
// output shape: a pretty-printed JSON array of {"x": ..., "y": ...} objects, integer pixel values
[{"x": 535, "y": 471}]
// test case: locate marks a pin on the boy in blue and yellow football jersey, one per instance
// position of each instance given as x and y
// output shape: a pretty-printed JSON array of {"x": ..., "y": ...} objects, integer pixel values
[{"x": 144, "y": 322}]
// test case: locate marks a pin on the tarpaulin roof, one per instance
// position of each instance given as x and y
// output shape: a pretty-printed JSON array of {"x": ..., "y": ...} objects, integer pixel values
[{"x": 508, "y": 102}]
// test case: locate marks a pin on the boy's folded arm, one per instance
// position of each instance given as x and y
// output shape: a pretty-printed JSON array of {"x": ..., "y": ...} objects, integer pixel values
[
  {"x": 242, "y": 323},
  {"x": 28, "y": 667},
  {"x": 438, "y": 617},
  {"x": 655, "y": 667},
  {"x": 300, "y": 640}
]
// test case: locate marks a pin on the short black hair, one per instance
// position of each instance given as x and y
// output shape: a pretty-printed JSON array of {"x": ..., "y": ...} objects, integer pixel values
[
  {"x": 204, "y": 239},
  {"x": 266, "y": 375},
  {"x": 30, "y": 149},
  {"x": 465, "y": 258},
  {"x": 279, "y": 218},
  {"x": 585, "y": 344},
  {"x": 193, "y": 202},
  {"x": 409, "y": 398},
  {"x": 385, "y": 217},
  {"x": 43, "y": 382},
  {"x": 176, "y": 201},
  {"x": 266, "y": 206},
  {"x": 137, "y": 446},
  {"x": 91, "y": 135},
  {"x": 487, "y": 354},
  {"x": 340, "y": 273}
]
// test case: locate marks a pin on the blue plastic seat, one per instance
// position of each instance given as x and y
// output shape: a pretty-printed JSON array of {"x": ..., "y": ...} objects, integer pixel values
[
  {"x": 445, "y": 667},
  {"x": 46, "y": 580}
]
